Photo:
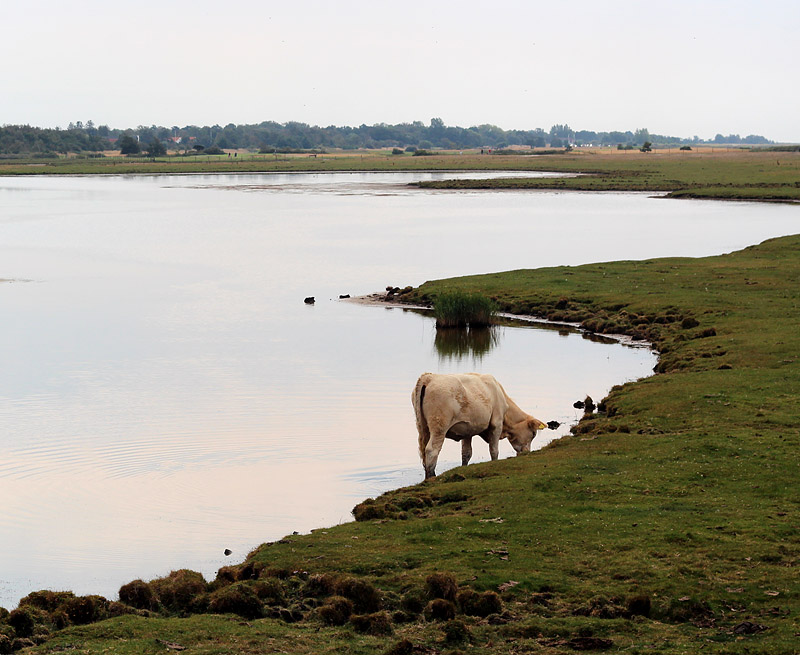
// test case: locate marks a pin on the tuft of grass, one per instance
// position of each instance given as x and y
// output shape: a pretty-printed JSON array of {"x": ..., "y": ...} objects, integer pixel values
[
  {"x": 239, "y": 598},
  {"x": 138, "y": 594},
  {"x": 377, "y": 623},
  {"x": 336, "y": 610},
  {"x": 459, "y": 309},
  {"x": 441, "y": 585}
]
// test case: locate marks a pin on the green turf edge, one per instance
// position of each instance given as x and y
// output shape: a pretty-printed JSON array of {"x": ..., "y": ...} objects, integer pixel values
[{"x": 683, "y": 490}]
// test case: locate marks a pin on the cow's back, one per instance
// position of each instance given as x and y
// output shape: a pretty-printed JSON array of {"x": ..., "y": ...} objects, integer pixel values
[{"x": 470, "y": 399}]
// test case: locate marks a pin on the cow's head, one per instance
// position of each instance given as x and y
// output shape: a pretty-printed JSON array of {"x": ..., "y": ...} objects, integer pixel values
[{"x": 521, "y": 434}]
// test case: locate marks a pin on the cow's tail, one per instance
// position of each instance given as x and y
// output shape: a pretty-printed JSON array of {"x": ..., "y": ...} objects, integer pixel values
[{"x": 422, "y": 424}]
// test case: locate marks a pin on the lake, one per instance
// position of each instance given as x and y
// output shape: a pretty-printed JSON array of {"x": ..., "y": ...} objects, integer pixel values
[{"x": 165, "y": 393}]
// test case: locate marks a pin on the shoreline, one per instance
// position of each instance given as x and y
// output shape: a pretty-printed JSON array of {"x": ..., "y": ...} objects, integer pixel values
[
  {"x": 310, "y": 171},
  {"x": 379, "y": 299},
  {"x": 749, "y": 176},
  {"x": 670, "y": 520}
]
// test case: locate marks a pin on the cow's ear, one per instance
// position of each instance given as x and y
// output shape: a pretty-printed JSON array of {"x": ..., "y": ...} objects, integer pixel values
[{"x": 535, "y": 424}]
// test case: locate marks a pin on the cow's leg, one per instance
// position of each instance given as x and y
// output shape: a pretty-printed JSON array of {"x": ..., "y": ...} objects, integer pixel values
[
  {"x": 494, "y": 448},
  {"x": 432, "y": 453},
  {"x": 466, "y": 450},
  {"x": 493, "y": 440}
]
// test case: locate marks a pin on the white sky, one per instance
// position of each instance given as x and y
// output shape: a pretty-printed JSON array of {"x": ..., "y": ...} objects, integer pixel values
[{"x": 675, "y": 67}]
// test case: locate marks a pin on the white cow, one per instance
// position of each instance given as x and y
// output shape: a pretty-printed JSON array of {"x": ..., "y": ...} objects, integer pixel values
[{"x": 461, "y": 406}]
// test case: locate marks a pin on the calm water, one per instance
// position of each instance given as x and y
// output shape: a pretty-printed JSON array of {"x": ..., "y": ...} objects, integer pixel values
[{"x": 165, "y": 394}]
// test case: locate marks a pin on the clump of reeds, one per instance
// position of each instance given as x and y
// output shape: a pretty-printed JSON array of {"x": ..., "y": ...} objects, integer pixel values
[{"x": 458, "y": 309}]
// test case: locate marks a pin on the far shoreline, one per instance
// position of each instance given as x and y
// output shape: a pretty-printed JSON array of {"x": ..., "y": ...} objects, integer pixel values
[{"x": 744, "y": 175}]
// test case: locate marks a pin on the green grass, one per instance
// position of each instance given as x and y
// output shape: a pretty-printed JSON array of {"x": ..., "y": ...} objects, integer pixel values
[
  {"x": 739, "y": 175},
  {"x": 682, "y": 490},
  {"x": 373, "y": 160},
  {"x": 457, "y": 309},
  {"x": 701, "y": 173}
]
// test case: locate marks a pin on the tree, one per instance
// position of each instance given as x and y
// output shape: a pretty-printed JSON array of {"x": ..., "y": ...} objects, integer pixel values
[
  {"x": 641, "y": 135},
  {"x": 295, "y": 135},
  {"x": 564, "y": 132},
  {"x": 646, "y": 147},
  {"x": 156, "y": 148},
  {"x": 128, "y": 145}
]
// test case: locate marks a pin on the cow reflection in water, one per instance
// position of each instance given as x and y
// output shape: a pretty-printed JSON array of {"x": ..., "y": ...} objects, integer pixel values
[{"x": 461, "y": 406}]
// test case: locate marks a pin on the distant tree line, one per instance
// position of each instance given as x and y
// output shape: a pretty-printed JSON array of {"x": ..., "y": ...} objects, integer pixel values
[
  {"x": 270, "y": 136},
  {"x": 17, "y": 139}
]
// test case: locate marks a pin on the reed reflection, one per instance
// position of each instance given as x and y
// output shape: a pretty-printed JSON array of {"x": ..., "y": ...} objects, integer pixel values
[{"x": 459, "y": 343}]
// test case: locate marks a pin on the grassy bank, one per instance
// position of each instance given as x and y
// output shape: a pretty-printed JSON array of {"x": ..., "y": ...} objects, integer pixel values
[
  {"x": 705, "y": 173},
  {"x": 740, "y": 175},
  {"x": 371, "y": 160},
  {"x": 668, "y": 523}
]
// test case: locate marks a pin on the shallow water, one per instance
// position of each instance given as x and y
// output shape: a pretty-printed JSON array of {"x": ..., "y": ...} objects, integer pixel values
[{"x": 166, "y": 394}]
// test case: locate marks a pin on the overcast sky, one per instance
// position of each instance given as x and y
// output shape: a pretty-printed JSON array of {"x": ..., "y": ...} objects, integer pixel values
[{"x": 681, "y": 68}]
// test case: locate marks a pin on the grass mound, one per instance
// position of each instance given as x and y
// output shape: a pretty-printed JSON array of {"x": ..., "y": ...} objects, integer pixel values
[
  {"x": 336, "y": 611},
  {"x": 441, "y": 585},
  {"x": 138, "y": 594},
  {"x": 178, "y": 591}
]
